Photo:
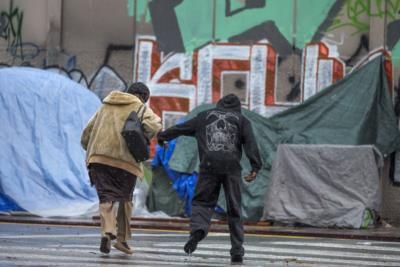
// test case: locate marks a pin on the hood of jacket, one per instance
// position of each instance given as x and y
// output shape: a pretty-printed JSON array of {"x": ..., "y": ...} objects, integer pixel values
[
  {"x": 230, "y": 102},
  {"x": 120, "y": 98}
]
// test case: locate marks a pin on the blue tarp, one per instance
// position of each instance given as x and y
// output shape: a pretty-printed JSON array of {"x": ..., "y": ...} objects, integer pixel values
[
  {"x": 42, "y": 165},
  {"x": 184, "y": 184}
]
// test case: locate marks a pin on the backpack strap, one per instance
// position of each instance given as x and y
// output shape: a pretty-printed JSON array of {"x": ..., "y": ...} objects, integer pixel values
[{"x": 144, "y": 110}]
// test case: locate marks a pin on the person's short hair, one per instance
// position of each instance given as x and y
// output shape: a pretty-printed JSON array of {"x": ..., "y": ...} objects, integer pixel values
[{"x": 140, "y": 90}]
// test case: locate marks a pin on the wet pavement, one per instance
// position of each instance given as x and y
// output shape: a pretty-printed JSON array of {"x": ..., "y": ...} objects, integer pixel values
[
  {"x": 57, "y": 245},
  {"x": 381, "y": 233}
]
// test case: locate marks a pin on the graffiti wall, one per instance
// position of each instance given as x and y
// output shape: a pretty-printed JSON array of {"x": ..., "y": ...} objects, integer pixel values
[{"x": 272, "y": 53}]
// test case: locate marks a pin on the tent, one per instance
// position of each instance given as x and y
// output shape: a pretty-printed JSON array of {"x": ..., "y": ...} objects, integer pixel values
[
  {"x": 357, "y": 110},
  {"x": 42, "y": 165}
]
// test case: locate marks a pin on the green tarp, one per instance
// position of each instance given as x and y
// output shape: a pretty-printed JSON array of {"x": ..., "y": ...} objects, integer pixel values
[
  {"x": 162, "y": 196},
  {"x": 354, "y": 111}
]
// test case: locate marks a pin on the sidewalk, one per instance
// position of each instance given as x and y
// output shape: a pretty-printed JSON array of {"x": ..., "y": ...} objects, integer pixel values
[{"x": 260, "y": 228}]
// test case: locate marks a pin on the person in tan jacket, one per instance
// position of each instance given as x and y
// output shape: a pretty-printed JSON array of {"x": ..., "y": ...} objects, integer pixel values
[{"x": 112, "y": 169}]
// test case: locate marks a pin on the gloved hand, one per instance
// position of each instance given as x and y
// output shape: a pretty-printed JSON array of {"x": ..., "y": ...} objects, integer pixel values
[
  {"x": 160, "y": 140},
  {"x": 251, "y": 177}
]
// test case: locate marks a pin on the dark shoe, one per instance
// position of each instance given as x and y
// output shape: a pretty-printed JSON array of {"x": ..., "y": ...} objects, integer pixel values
[
  {"x": 237, "y": 259},
  {"x": 194, "y": 239},
  {"x": 112, "y": 237},
  {"x": 123, "y": 246},
  {"x": 105, "y": 244}
]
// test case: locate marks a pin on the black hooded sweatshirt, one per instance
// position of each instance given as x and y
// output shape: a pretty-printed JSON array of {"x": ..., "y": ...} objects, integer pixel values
[{"x": 220, "y": 133}]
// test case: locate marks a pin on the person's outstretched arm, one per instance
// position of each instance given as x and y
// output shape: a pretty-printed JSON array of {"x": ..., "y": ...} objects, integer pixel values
[
  {"x": 251, "y": 150},
  {"x": 187, "y": 128}
]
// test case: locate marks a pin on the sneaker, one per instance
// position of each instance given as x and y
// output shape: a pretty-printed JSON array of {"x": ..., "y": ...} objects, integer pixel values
[
  {"x": 194, "y": 239},
  {"x": 237, "y": 259},
  {"x": 123, "y": 246},
  {"x": 105, "y": 244}
]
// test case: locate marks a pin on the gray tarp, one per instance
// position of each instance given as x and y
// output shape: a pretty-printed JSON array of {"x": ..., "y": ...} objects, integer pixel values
[{"x": 323, "y": 185}]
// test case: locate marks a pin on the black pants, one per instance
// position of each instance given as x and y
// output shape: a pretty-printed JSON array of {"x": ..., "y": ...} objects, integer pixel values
[{"x": 205, "y": 200}]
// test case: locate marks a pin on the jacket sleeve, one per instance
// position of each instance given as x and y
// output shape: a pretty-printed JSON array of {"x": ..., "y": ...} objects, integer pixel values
[
  {"x": 87, "y": 131},
  {"x": 187, "y": 128},
  {"x": 250, "y": 146},
  {"x": 151, "y": 123}
]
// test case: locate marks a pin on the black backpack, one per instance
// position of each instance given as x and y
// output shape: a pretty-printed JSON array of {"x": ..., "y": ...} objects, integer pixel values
[{"x": 134, "y": 137}]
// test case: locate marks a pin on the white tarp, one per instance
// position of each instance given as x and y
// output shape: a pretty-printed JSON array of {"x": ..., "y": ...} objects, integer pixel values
[
  {"x": 323, "y": 185},
  {"x": 42, "y": 165}
]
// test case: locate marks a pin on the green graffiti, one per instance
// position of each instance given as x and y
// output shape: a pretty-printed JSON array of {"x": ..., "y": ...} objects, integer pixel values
[
  {"x": 142, "y": 10},
  {"x": 195, "y": 22},
  {"x": 198, "y": 30},
  {"x": 310, "y": 15},
  {"x": 357, "y": 13},
  {"x": 279, "y": 11},
  {"x": 396, "y": 54},
  {"x": 236, "y": 4},
  {"x": 130, "y": 5}
]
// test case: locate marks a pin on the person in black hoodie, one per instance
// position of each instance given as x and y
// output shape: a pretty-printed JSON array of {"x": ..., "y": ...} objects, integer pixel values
[{"x": 220, "y": 133}]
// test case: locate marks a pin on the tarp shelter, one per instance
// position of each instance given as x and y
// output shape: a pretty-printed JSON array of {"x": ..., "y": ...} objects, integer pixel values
[
  {"x": 357, "y": 110},
  {"x": 42, "y": 164},
  {"x": 324, "y": 185},
  {"x": 170, "y": 190}
]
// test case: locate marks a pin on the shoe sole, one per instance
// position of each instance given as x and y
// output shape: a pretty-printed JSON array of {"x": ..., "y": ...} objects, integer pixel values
[
  {"x": 190, "y": 246},
  {"x": 122, "y": 248},
  {"x": 105, "y": 245}
]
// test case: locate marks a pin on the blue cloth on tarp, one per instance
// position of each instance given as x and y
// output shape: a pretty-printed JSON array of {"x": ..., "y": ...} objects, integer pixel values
[
  {"x": 183, "y": 183},
  {"x": 42, "y": 164},
  {"x": 7, "y": 204}
]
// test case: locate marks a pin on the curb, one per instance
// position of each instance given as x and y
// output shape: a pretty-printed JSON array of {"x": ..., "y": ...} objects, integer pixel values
[{"x": 391, "y": 234}]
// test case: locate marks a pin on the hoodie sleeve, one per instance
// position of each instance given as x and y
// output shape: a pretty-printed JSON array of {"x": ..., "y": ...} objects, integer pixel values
[
  {"x": 151, "y": 123},
  {"x": 187, "y": 128},
  {"x": 250, "y": 146}
]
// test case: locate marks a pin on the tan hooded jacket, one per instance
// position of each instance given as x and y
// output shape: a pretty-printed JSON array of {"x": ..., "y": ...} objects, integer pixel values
[{"x": 102, "y": 137}]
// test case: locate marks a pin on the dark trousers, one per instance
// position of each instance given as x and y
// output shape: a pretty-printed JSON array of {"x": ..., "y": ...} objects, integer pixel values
[{"x": 205, "y": 200}]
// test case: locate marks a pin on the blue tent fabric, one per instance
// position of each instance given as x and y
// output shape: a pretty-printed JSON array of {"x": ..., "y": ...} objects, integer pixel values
[
  {"x": 42, "y": 165},
  {"x": 183, "y": 183},
  {"x": 7, "y": 204}
]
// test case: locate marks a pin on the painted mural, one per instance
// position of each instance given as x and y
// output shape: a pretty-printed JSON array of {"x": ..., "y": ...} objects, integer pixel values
[{"x": 272, "y": 53}]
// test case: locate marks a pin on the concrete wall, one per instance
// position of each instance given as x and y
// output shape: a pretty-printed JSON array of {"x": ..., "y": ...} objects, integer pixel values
[{"x": 191, "y": 52}]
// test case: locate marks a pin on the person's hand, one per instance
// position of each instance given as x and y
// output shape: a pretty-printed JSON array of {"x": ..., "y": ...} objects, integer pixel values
[
  {"x": 251, "y": 177},
  {"x": 160, "y": 140}
]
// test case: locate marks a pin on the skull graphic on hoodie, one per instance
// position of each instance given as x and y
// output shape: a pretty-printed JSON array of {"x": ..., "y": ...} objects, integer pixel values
[{"x": 222, "y": 135}]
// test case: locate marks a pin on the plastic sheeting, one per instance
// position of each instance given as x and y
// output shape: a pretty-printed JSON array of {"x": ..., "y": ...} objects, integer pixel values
[
  {"x": 184, "y": 184},
  {"x": 139, "y": 200},
  {"x": 324, "y": 185},
  {"x": 354, "y": 111},
  {"x": 42, "y": 165},
  {"x": 162, "y": 196}
]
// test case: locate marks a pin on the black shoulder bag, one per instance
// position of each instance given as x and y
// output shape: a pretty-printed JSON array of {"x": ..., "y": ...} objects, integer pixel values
[{"x": 134, "y": 136}]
